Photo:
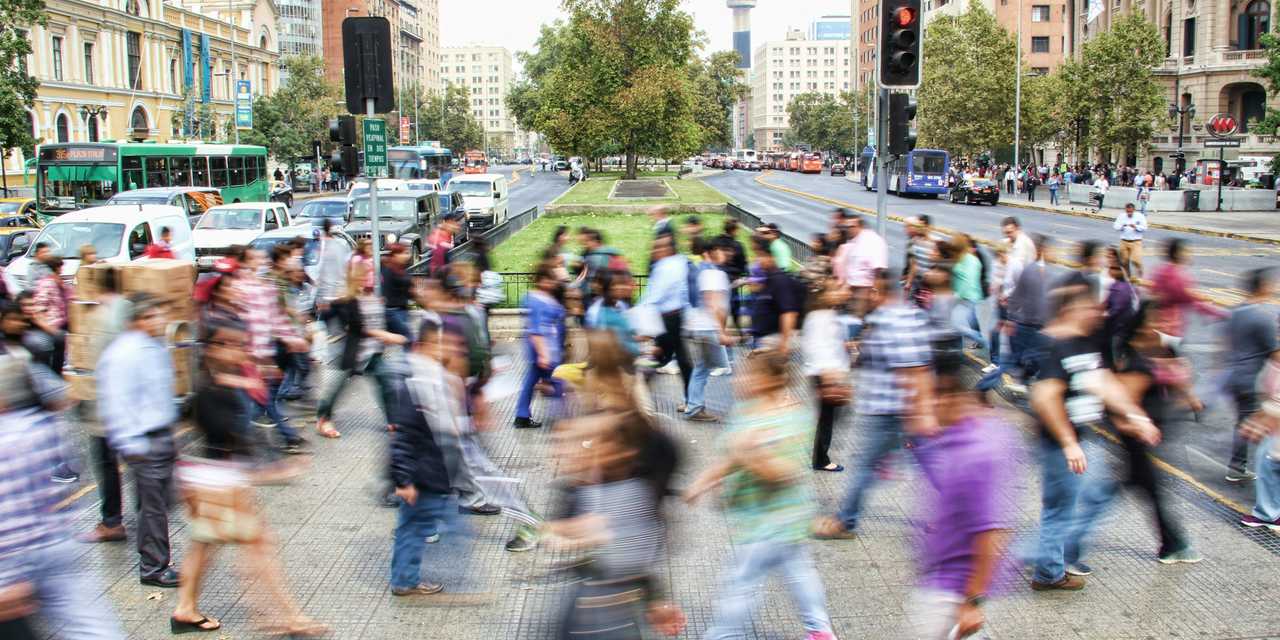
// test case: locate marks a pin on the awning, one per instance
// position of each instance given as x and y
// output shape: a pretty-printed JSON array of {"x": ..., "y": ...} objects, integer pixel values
[{"x": 81, "y": 173}]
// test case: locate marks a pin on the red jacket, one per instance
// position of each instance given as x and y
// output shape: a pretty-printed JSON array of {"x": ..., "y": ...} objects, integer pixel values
[{"x": 159, "y": 250}]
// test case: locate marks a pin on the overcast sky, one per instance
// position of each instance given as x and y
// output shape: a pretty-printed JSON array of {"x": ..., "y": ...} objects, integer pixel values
[{"x": 514, "y": 24}]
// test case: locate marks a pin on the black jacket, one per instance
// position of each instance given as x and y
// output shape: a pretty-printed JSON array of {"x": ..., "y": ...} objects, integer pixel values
[
  {"x": 348, "y": 312},
  {"x": 415, "y": 458}
]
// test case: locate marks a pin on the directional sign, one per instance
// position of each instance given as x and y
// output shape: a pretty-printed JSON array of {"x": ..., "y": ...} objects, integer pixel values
[
  {"x": 1222, "y": 143},
  {"x": 244, "y": 105},
  {"x": 1222, "y": 125},
  {"x": 375, "y": 146}
]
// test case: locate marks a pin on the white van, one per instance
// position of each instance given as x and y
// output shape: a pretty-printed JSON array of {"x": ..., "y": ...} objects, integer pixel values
[
  {"x": 485, "y": 198},
  {"x": 120, "y": 233},
  {"x": 231, "y": 224}
]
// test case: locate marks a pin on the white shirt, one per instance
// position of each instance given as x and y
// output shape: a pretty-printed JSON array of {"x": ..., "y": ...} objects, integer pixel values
[
  {"x": 822, "y": 343},
  {"x": 1021, "y": 254},
  {"x": 1130, "y": 227},
  {"x": 1101, "y": 186},
  {"x": 702, "y": 317}
]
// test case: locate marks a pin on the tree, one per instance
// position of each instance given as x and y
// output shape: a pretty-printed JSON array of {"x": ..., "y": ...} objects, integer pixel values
[
  {"x": 17, "y": 86},
  {"x": 823, "y": 122},
  {"x": 1270, "y": 72},
  {"x": 718, "y": 83},
  {"x": 197, "y": 119},
  {"x": 449, "y": 119},
  {"x": 967, "y": 91},
  {"x": 287, "y": 121}
]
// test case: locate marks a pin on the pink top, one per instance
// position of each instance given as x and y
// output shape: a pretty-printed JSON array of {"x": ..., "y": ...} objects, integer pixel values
[
  {"x": 860, "y": 257},
  {"x": 1171, "y": 285}
]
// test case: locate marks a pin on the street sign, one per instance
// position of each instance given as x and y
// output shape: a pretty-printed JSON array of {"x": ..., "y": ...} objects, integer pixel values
[
  {"x": 375, "y": 146},
  {"x": 244, "y": 105},
  {"x": 404, "y": 129},
  {"x": 1221, "y": 143},
  {"x": 1222, "y": 125}
]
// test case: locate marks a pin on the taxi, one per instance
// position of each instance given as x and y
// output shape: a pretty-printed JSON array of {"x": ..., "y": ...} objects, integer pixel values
[
  {"x": 14, "y": 241},
  {"x": 17, "y": 212}
]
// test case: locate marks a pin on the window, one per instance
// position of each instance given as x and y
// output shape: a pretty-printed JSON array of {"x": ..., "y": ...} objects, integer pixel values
[
  {"x": 133, "y": 49},
  {"x": 235, "y": 165},
  {"x": 200, "y": 172},
  {"x": 1255, "y": 21},
  {"x": 1189, "y": 37},
  {"x": 138, "y": 121},
  {"x": 218, "y": 169},
  {"x": 88, "y": 63},
  {"x": 93, "y": 128},
  {"x": 173, "y": 76},
  {"x": 139, "y": 238},
  {"x": 180, "y": 172},
  {"x": 63, "y": 128},
  {"x": 1040, "y": 44},
  {"x": 1039, "y": 71},
  {"x": 157, "y": 172},
  {"x": 1040, "y": 13},
  {"x": 132, "y": 172},
  {"x": 57, "y": 58}
]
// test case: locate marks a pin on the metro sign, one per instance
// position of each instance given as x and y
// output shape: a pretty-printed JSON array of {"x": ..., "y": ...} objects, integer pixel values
[{"x": 1222, "y": 125}]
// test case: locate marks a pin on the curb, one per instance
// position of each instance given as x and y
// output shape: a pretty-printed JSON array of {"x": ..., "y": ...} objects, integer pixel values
[{"x": 1154, "y": 225}]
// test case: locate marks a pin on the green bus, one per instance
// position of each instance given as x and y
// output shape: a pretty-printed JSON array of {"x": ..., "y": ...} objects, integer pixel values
[{"x": 71, "y": 176}]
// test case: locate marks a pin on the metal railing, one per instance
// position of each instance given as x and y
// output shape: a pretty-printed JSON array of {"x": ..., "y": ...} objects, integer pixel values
[
  {"x": 800, "y": 249},
  {"x": 516, "y": 285},
  {"x": 494, "y": 236}
]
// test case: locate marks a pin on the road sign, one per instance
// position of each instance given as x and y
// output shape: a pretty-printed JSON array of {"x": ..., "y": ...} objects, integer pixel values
[
  {"x": 404, "y": 129},
  {"x": 1221, "y": 143},
  {"x": 1222, "y": 125},
  {"x": 375, "y": 146},
  {"x": 244, "y": 105}
]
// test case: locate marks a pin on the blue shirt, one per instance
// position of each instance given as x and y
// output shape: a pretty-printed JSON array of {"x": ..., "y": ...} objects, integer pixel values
[
  {"x": 668, "y": 287},
  {"x": 135, "y": 391},
  {"x": 30, "y": 451},
  {"x": 546, "y": 319}
]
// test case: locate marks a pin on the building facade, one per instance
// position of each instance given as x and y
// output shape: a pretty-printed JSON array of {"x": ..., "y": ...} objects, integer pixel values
[
  {"x": 487, "y": 73},
  {"x": 300, "y": 29},
  {"x": 784, "y": 69},
  {"x": 415, "y": 39},
  {"x": 118, "y": 69}
]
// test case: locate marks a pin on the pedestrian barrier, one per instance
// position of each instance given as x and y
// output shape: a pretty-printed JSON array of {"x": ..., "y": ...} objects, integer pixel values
[
  {"x": 518, "y": 283},
  {"x": 800, "y": 249},
  {"x": 494, "y": 236}
]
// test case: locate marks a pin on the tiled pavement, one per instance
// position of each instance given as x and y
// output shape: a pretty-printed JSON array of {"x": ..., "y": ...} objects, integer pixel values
[{"x": 335, "y": 543}]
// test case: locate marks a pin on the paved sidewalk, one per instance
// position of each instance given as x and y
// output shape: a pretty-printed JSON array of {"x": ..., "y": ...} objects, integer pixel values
[{"x": 336, "y": 543}]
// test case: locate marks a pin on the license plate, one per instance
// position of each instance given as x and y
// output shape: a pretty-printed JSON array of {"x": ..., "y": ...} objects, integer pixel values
[{"x": 206, "y": 261}]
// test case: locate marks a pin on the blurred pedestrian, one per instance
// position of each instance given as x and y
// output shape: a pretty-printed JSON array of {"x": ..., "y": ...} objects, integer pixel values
[
  {"x": 969, "y": 288},
  {"x": 1264, "y": 426},
  {"x": 135, "y": 401},
  {"x": 162, "y": 247},
  {"x": 777, "y": 302},
  {"x": 668, "y": 293},
  {"x": 544, "y": 344},
  {"x": 1028, "y": 307},
  {"x": 1174, "y": 289},
  {"x": 441, "y": 239},
  {"x": 88, "y": 254},
  {"x": 705, "y": 325},
  {"x": 609, "y": 311},
  {"x": 271, "y": 331},
  {"x": 332, "y": 259},
  {"x": 826, "y": 363},
  {"x": 1251, "y": 341},
  {"x": 395, "y": 288},
  {"x": 857, "y": 262},
  {"x": 735, "y": 266},
  {"x": 768, "y": 499},
  {"x": 50, "y": 299},
  {"x": 1131, "y": 225}
]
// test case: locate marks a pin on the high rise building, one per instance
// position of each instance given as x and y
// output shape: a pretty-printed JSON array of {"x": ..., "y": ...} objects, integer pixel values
[
  {"x": 742, "y": 30},
  {"x": 415, "y": 38},
  {"x": 865, "y": 18},
  {"x": 784, "y": 69},
  {"x": 487, "y": 73},
  {"x": 299, "y": 29}
]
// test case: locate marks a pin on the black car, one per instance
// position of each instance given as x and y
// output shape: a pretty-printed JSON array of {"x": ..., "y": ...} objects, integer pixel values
[
  {"x": 837, "y": 169},
  {"x": 403, "y": 216},
  {"x": 975, "y": 191}
]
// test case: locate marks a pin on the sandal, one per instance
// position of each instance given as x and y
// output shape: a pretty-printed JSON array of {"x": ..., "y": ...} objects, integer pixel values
[
  {"x": 326, "y": 430},
  {"x": 177, "y": 626},
  {"x": 831, "y": 529}
]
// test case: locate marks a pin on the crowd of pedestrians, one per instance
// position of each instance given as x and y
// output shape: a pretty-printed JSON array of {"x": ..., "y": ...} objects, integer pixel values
[{"x": 801, "y": 346}]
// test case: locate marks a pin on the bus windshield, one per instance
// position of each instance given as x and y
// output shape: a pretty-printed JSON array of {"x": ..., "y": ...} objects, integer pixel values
[
  {"x": 930, "y": 163},
  {"x": 65, "y": 239},
  {"x": 75, "y": 186}
]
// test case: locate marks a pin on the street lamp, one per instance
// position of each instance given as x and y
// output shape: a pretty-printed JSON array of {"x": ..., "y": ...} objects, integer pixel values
[
  {"x": 95, "y": 112},
  {"x": 1183, "y": 114}
]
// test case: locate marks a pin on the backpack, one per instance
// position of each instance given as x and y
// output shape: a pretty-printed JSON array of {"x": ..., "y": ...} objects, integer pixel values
[{"x": 691, "y": 273}]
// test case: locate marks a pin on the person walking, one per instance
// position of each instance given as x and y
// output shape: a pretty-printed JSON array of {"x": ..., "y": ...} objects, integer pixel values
[
  {"x": 1264, "y": 427},
  {"x": 668, "y": 293},
  {"x": 777, "y": 302},
  {"x": 826, "y": 364},
  {"x": 1054, "y": 183},
  {"x": 1173, "y": 288},
  {"x": 1075, "y": 391},
  {"x": 544, "y": 346},
  {"x": 705, "y": 324},
  {"x": 1010, "y": 176},
  {"x": 1028, "y": 307},
  {"x": 894, "y": 395},
  {"x": 969, "y": 289},
  {"x": 1251, "y": 341},
  {"x": 135, "y": 401},
  {"x": 1131, "y": 225},
  {"x": 1100, "y": 188},
  {"x": 768, "y": 498},
  {"x": 395, "y": 289},
  {"x": 857, "y": 262}
]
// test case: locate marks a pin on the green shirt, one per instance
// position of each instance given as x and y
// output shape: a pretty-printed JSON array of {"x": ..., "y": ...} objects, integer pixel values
[
  {"x": 966, "y": 278},
  {"x": 761, "y": 511},
  {"x": 782, "y": 255}
]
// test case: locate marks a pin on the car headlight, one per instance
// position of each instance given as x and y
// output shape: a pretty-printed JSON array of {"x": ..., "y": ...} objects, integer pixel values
[{"x": 391, "y": 238}]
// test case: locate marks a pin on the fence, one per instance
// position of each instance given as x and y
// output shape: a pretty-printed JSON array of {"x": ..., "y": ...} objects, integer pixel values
[
  {"x": 800, "y": 249},
  {"x": 517, "y": 284},
  {"x": 493, "y": 237}
]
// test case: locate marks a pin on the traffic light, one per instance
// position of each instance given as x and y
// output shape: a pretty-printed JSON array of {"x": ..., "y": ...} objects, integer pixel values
[
  {"x": 902, "y": 130},
  {"x": 900, "y": 44},
  {"x": 345, "y": 160},
  {"x": 342, "y": 130}
]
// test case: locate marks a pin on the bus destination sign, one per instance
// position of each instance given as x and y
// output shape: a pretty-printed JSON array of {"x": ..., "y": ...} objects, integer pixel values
[{"x": 78, "y": 153}]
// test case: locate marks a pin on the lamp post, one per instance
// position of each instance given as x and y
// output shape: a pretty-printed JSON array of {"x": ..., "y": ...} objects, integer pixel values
[
  {"x": 94, "y": 111},
  {"x": 1183, "y": 114}
]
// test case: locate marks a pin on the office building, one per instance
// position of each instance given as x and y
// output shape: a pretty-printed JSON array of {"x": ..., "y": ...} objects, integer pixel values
[
  {"x": 837, "y": 27},
  {"x": 784, "y": 69},
  {"x": 487, "y": 73},
  {"x": 299, "y": 29},
  {"x": 415, "y": 38}
]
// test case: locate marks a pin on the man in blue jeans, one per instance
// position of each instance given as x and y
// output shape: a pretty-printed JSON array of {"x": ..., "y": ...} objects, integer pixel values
[
  {"x": 544, "y": 327},
  {"x": 705, "y": 324},
  {"x": 1075, "y": 391},
  {"x": 894, "y": 394}
]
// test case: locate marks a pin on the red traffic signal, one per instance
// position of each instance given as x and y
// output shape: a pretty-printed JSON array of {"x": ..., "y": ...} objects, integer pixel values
[
  {"x": 904, "y": 16},
  {"x": 899, "y": 48}
]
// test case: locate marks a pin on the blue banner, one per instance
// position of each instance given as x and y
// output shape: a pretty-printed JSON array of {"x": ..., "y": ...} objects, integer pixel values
[
  {"x": 244, "y": 105},
  {"x": 206, "y": 68}
]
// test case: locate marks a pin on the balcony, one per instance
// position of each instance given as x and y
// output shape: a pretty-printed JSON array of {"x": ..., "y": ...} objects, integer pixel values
[{"x": 1243, "y": 56}]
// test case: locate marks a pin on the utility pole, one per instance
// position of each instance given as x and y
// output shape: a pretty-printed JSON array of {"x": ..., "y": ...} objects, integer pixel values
[
  {"x": 1017, "y": 93},
  {"x": 235, "y": 67},
  {"x": 882, "y": 129}
]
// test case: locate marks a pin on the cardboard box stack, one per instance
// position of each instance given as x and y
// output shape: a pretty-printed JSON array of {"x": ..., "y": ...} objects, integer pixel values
[{"x": 172, "y": 281}]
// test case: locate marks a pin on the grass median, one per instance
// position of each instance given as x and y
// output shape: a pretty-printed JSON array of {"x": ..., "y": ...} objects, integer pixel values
[
  {"x": 596, "y": 190},
  {"x": 629, "y": 234}
]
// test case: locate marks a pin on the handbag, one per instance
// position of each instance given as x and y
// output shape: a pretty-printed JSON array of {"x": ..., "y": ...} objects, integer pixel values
[
  {"x": 220, "y": 501},
  {"x": 834, "y": 388}
]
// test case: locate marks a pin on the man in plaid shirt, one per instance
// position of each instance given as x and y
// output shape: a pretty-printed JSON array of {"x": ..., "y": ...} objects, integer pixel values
[
  {"x": 39, "y": 565},
  {"x": 894, "y": 394},
  {"x": 266, "y": 323}
]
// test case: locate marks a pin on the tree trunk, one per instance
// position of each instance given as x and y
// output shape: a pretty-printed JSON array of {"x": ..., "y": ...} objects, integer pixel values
[{"x": 630, "y": 172}]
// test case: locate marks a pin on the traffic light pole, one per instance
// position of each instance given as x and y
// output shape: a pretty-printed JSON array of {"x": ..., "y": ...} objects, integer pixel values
[
  {"x": 373, "y": 214},
  {"x": 882, "y": 129}
]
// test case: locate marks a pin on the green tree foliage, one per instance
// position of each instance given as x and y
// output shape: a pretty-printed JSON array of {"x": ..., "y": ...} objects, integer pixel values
[
  {"x": 719, "y": 86},
  {"x": 448, "y": 119},
  {"x": 1270, "y": 72},
  {"x": 966, "y": 91},
  {"x": 198, "y": 119},
  {"x": 1113, "y": 86},
  {"x": 823, "y": 122},
  {"x": 287, "y": 121},
  {"x": 17, "y": 86}
]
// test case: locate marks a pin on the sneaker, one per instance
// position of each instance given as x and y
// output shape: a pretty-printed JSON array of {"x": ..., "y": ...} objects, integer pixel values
[
  {"x": 1186, "y": 555},
  {"x": 482, "y": 509},
  {"x": 820, "y": 635},
  {"x": 1079, "y": 569},
  {"x": 1240, "y": 475},
  {"x": 702, "y": 415},
  {"x": 1067, "y": 583},
  {"x": 721, "y": 371},
  {"x": 670, "y": 368},
  {"x": 1254, "y": 522},
  {"x": 424, "y": 589},
  {"x": 65, "y": 476},
  {"x": 264, "y": 422},
  {"x": 989, "y": 368},
  {"x": 1016, "y": 387},
  {"x": 432, "y": 539},
  {"x": 682, "y": 408},
  {"x": 526, "y": 423},
  {"x": 520, "y": 544}
]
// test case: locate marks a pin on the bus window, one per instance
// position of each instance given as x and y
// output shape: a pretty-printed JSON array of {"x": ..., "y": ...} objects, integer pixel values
[
  {"x": 200, "y": 172},
  {"x": 260, "y": 168},
  {"x": 180, "y": 172},
  {"x": 932, "y": 163},
  {"x": 157, "y": 172},
  {"x": 132, "y": 172},
  {"x": 218, "y": 169},
  {"x": 236, "y": 166}
]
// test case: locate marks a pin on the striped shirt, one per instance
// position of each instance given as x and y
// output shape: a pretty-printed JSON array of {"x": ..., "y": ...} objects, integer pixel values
[
  {"x": 264, "y": 318},
  {"x": 30, "y": 450},
  {"x": 896, "y": 337},
  {"x": 762, "y": 511}
]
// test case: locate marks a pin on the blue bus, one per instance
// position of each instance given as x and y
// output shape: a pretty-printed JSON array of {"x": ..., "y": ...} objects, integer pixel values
[
  {"x": 921, "y": 171},
  {"x": 422, "y": 161}
]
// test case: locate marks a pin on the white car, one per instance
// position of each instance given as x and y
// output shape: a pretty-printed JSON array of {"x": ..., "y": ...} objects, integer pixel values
[
  {"x": 226, "y": 225},
  {"x": 485, "y": 198},
  {"x": 421, "y": 184},
  {"x": 120, "y": 233}
]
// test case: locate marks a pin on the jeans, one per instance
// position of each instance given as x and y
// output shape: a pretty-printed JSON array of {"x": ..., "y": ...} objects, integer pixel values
[
  {"x": 398, "y": 322},
  {"x": 381, "y": 374},
  {"x": 673, "y": 347},
  {"x": 882, "y": 436},
  {"x": 1059, "y": 491},
  {"x": 1246, "y": 405},
  {"x": 68, "y": 600},
  {"x": 708, "y": 354},
  {"x": 153, "y": 480},
  {"x": 1031, "y": 193},
  {"x": 1027, "y": 343},
  {"x": 1100, "y": 488},
  {"x": 272, "y": 411},
  {"x": 1053, "y": 196},
  {"x": 108, "y": 467},
  {"x": 414, "y": 522},
  {"x": 754, "y": 562},
  {"x": 964, "y": 319},
  {"x": 1266, "y": 505},
  {"x": 296, "y": 372},
  {"x": 532, "y": 376}
]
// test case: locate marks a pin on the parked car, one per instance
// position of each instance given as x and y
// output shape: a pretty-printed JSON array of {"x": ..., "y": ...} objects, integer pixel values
[
  {"x": 422, "y": 184},
  {"x": 751, "y": 165},
  {"x": 193, "y": 200},
  {"x": 357, "y": 189},
  {"x": 120, "y": 233},
  {"x": 18, "y": 212},
  {"x": 975, "y": 191},
  {"x": 403, "y": 216},
  {"x": 230, "y": 224},
  {"x": 837, "y": 169},
  {"x": 281, "y": 192},
  {"x": 310, "y": 250},
  {"x": 314, "y": 211},
  {"x": 14, "y": 241}
]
